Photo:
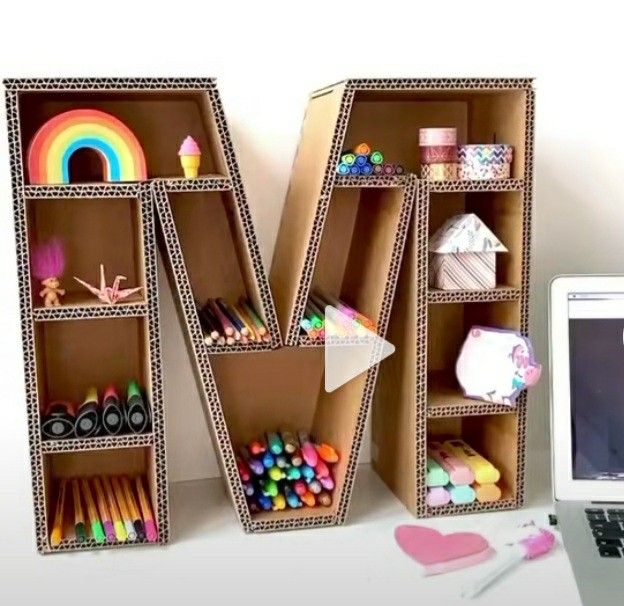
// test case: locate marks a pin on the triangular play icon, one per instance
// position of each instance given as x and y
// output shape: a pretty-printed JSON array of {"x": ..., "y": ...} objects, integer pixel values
[{"x": 350, "y": 348}]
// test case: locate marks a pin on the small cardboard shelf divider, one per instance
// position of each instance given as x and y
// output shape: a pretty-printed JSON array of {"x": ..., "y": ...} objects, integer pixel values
[{"x": 416, "y": 391}]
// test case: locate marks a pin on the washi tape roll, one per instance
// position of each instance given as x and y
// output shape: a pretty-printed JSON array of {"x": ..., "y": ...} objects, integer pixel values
[
  {"x": 485, "y": 153},
  {"x": 438, "y": 154},
  {"x": 438, "y": 172},
  {"x": 437, "y": 136},
  {"x": 478, "y": 172}
]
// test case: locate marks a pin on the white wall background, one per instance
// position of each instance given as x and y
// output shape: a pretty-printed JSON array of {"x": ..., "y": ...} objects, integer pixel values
[{"x": 267, "y": 57}]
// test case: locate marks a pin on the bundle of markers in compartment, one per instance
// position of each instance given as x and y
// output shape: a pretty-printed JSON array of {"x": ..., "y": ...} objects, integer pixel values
[
  {"x": 109, "y": 415},
  {"x": 458, "y": 474},
  {"x": 363, "y": 160},
  {"x": 287, "y": 471},
  {"x": 107, "y": 509},
  {"x": 345, "y": 322},
  {"x": 225, "y": 324}
]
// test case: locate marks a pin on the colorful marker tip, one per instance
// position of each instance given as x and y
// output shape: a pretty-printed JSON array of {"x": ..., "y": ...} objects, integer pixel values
[
  {"x": 140, "y": 530},
  {"x": 268, "y": 460},
  {"x": 276, "y": 474},
  {"x": 308, "y": 498},
  {"x": 120, "y": 531},
  {"x": 81, "y": 532},
  {"x": 150, "y": 531},
  {"x": 98, "y": 532},
  {"x": 309, "y": 453},
  {"x": 109, "y": 529},
  {"x": 321, "y": 469},
  {"x": 307, "y": 472},
  {"x": 327, "y": 453}
]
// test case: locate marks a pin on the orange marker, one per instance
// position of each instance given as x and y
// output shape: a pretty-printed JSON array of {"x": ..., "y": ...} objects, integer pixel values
[
  {"x": 308, "y": 499},
  {"x": 105, "y": 515},
  {"x": 57, "y": 531},
  {"x": 148, "y": 519},
  {"x": 362, "y": 149},
  {"x": 327, "y": 453},
  {"x": 120, "y": 530}
]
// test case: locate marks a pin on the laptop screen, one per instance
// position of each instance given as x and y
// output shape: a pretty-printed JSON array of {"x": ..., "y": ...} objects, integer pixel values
[{"x": 596, "y": 336}]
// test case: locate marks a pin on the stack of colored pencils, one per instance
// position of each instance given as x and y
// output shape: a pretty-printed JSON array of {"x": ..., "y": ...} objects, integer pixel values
[
  {"x": 350, "y": 322},
  {"x": 285, "y": 470},
  {"x": 363, "y": 160},
  {"x": 225, "y": 324},
  {"x": 113, "y": 509}
]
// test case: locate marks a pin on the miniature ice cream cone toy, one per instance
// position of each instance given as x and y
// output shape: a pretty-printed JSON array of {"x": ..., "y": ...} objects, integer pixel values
[
  {"x": 190, "y": 157},
  {"x": 47, "y": 265}
]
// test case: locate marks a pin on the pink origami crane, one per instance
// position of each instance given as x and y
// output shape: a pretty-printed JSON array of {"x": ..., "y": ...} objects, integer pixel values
[{"x": 109, "y": 294}]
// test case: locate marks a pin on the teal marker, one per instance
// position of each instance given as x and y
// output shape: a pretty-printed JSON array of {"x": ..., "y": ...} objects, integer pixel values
[
  {"x": 291, "y": 498},
  {"x": 293, "y": 473},
  {"x": 274, "y": 441}
]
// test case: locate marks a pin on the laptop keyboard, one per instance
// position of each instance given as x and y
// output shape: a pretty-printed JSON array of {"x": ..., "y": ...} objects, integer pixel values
[{"x": 607, "y": 526}]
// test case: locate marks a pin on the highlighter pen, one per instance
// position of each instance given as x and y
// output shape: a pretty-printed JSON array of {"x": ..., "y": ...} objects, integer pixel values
[
  {"x": 112, "y": 412},
  {"x": 293, "y": 473},
  {"x": 105, "y": 515},
  {"x": 307, "y": 472},
  {"x": 291, "y": 498},
  {"x": 134, "y": 509},
  {"x": 253, "y": 464},
  {"x": 120, "y": 529},
  {"x": 268, "y": 460},
  {"x": 315, "y": 486},
  {"x": 321, "y": 469},
  {"x": 57, "y": 530},
  {"x": 96, "y": 526},
  {"x": 87, "y": 416},
  {"x": 308, "y": 499},
  {"x": 324, "y": 499},
  {"x": 149, "y": 523},
  {"x": 79, "y": 522},
  {"x": 279, "y": 502},
  {"x": 327, "y": 482},
  {"x": 328, "y": 453},
  {"x": 124, "y": 509},
  {"x": 137, "y": 408},
  {"x": 257, "y": 447}
]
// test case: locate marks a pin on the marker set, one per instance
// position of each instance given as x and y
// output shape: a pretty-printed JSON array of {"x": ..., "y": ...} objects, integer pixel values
[
  {"x": 109, "y": 416},
  {"x": 107, "y": 509},
  {"x": 225, "y": 324},
  {"x": 349, "y": 322},
  {"x": 458, "y": 474},
  {"x": 287, "y": 471},
  {"x": 363, "y": 160}
]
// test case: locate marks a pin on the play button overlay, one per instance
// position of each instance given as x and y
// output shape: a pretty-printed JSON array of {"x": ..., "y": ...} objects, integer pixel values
[{"x": 350, "y": 348}]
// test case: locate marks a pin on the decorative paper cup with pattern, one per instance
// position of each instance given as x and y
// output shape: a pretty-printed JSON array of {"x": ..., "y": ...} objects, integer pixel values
[{"x": 439, "y": 172}]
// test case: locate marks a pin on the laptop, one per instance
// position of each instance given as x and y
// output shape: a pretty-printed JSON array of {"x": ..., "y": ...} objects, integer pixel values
[{"x": 587, "y": 430}]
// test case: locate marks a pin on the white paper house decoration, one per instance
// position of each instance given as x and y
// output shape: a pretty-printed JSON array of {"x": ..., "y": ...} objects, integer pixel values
[{"x": 462, "y": 255}]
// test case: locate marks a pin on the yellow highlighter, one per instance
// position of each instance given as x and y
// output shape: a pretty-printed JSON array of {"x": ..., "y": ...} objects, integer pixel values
[{"x": 484, "y": 471}]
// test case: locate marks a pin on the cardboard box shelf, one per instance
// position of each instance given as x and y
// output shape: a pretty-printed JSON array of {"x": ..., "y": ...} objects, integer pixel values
[
  {"x": 284, "y": 389},
  {"x": 160, "y": 119},
  {"x": 93, "y": 231},
  {"x": 137, "y": 461},
  {"x": 84, "y": 343},
  {"x": 417, "y": 393},
  {"x": 493, "y": 436}
]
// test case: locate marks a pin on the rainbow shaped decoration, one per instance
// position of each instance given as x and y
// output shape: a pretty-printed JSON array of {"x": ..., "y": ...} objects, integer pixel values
[{"x": 54, "y": 143}]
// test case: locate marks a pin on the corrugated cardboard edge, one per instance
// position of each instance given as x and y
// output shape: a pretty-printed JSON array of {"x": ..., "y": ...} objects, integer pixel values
[
  {"x": 331, "y": 179},
  {"x": 21, "y": 193}
]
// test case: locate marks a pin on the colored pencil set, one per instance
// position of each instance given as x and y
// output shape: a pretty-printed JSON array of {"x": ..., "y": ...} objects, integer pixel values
[
  {"x": 363, "y": 160},
  {"x": 109, "y": 415},
  {"x": 458, "y": 474},
  {"x": 285, "y": 470},
  {"x": 225, "y": 324},
  {"x": 106, "y": 509},
  {"x": 350, "y": 322}
]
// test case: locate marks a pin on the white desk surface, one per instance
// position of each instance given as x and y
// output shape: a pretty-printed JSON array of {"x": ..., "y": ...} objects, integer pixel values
[{"x": 211, "y": 561}]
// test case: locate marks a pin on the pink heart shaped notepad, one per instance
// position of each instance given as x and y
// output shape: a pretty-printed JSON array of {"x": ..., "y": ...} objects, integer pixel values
[{"x": 438, "y": 553}]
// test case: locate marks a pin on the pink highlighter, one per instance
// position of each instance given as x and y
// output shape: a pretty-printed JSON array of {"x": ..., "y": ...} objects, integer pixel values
[
  {"x": 535, "y": 542},
  {"x": 459, "y": 473}
]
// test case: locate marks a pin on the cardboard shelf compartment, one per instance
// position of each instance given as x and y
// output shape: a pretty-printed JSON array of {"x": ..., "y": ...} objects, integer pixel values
[
  {"x": 138, "y": 461},
  {"x": 284, "y": 389},
  {"x": 502, "y": 212},
  {"x": 390, "y": 121},
  {"x": 493, "y": 436},
  {"x": 486, "y": 185},
  {"x": 73, "y": 356},
  {"x": 160, "y": 119},
  {"x": 77, "y": 306},
  {"x": 358, "y": 247},
  {"x": 500, "y": 293},
  {"x": 93, "y": 231}
]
